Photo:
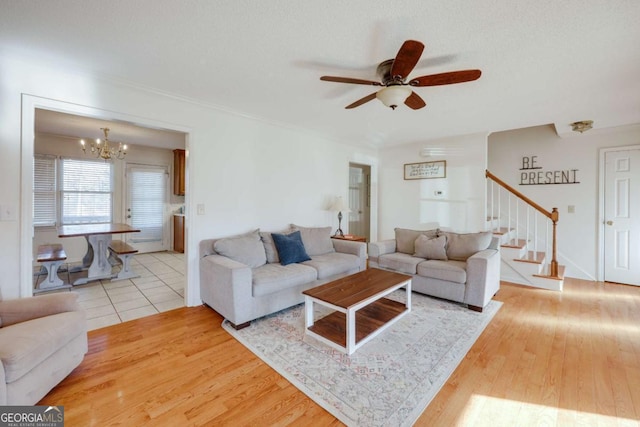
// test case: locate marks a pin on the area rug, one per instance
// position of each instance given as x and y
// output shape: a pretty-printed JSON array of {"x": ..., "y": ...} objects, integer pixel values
[{"x": 387, "y": 382}]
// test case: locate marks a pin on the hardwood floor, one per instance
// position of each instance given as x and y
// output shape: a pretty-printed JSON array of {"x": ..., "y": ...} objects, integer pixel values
[{"x": 547, "y": 358}]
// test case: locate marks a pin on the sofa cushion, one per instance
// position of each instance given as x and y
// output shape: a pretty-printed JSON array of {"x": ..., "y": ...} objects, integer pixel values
[
  {"x": 462, "y": 246},
  {"x": 290, "y": 248},
  {"x": 405, "y": 239},
  {"x": 25, "y": 345},
  {"x": 451, "y": 271},
  {"x": 316, "y": 240},
  {"x": 246, "y": 248},
  {"x": 400, "y": 262},
  {"x": 431, "y": 248},
  {"x": 271, "y": 278},
  {"x": 334, "y": 263},
  {"x": 270, "y": 247}
]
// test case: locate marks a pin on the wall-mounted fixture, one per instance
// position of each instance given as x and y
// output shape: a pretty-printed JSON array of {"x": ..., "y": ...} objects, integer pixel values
[{"x": 582, "y": 126}]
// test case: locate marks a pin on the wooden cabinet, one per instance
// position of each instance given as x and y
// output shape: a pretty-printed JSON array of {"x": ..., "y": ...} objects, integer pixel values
[
  {"x": 178, "y": 172},
  {"x": 178, "y": 233}
]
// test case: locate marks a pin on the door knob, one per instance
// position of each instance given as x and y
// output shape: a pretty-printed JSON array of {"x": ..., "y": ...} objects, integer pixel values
[
  {"x": 128, "y": 216},
  {"x": 609, "y": 222}
]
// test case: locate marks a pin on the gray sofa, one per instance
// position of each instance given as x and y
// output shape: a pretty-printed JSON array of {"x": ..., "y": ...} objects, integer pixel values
[
  {"x": 459, "y": 267},
  {"x": 243, "y": 277},
  {"x": 42, "y": 339}
]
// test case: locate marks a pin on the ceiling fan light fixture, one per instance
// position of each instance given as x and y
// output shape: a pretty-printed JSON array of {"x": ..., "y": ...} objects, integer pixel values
[{"x": 392, "y": 96}]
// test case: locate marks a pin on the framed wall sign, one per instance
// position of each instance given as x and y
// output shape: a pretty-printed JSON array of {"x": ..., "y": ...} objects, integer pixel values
[{"x": 425, "y": 170}]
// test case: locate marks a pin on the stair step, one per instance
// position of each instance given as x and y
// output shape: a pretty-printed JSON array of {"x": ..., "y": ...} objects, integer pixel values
[
  {"x": 546, "y": 274},
  {"x": 501, "y": 231},
  {"x": 513, "y": 243},
  {"x": 532, "y": 257}
]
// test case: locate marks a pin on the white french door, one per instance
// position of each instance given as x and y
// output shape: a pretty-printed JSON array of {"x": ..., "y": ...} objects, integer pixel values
[
  {"x": 622, "y": 216},
  {"x": 147, "y": 197}
]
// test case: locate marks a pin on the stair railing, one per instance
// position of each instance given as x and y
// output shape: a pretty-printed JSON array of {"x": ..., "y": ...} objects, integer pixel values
[{"x": 553, "y": 216}]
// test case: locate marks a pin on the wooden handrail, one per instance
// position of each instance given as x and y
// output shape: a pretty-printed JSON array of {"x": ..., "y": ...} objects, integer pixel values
[
  {"x": 553, "y": 216},
  {"x": 518, "y": 194}
]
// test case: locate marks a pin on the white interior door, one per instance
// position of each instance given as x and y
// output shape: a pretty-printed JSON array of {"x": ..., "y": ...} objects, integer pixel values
[
  {"x": 622, "y": 217},
  {"x": 147, "y": 197},
  {"x": 359, "y": 200}
]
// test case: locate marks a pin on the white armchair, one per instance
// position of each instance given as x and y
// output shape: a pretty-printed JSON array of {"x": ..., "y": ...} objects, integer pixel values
[{"x": 42, "y": 339}]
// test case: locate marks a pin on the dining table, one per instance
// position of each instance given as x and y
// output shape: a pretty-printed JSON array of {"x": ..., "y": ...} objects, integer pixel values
[{"x": 98, "y": 236}]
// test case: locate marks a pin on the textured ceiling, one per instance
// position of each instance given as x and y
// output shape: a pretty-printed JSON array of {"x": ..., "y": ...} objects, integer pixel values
[{"x": 543, "y": 61}]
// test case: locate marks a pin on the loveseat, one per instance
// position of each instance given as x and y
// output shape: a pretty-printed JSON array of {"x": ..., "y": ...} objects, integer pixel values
[
  {"x": 459, "y": 267},
  {"x": 252, "y": 275},
  {"x": 42, "y": 339}
]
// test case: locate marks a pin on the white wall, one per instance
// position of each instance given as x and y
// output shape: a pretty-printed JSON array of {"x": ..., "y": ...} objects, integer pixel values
[
  {"x": 577, "y": 232},
  {"x": 413, "y": 203},
  {"x": 245, "y": 173}
]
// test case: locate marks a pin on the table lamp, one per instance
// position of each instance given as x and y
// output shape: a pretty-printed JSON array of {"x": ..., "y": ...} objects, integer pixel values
[{"x": 339, "y": 206}]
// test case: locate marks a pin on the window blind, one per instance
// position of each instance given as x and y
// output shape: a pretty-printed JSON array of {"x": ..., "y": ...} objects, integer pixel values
[
  {"x": 86, "y": 191},
  {"x": 147, "y": 196},
  {"x": 44, "y": 190}
]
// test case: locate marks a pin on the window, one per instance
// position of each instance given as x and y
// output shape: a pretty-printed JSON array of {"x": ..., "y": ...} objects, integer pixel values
[
  {"x": 44, "y": 191},
  {"x": 68, "y": 191},
  {"x": 86, "y": 191}
]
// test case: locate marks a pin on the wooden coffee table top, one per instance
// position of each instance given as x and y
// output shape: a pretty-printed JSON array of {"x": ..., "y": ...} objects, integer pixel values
[{"x": 351, "y": 290}]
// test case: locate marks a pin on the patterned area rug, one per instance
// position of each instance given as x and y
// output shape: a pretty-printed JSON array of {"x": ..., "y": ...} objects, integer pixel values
[{"x": 387, "y": 382}]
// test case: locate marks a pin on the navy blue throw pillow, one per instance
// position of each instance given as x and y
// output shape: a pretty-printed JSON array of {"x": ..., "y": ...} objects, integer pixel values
[{"x": 290, "y": 248}]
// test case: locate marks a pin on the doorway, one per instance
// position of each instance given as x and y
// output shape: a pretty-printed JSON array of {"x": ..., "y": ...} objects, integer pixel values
[
  {"x": 360, "y": 200},
  {"x": 147, "y": 196},
  {"x": 621, "y": 215},
  {"x": 31, "y": 104}
]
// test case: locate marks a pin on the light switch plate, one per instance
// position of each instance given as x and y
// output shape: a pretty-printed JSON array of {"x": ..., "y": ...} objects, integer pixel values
[
  {"x": 8, "y": 213},
  {"x": 200, "y": 209}
]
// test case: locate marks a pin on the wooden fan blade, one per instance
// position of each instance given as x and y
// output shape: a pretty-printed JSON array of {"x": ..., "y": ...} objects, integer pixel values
[
  {"x": 406, "y": 59},
  {"x": 361, "y": 101},
  {"x": 446, "y": 78},
  {"x": 414, "y": 101},
  {"x": 350, "y": 80}
]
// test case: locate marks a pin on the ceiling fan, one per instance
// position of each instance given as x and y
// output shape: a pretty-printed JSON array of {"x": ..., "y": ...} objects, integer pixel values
[{"x": 393, "y": 74}]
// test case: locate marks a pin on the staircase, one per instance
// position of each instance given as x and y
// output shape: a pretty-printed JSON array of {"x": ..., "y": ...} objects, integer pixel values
[{"x": 527, "y": 236}]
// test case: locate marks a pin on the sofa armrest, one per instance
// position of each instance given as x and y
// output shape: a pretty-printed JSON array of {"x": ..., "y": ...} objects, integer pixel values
[
  {"x": 381, "y": 248},
  {"x": 22, "y": 309},
  {"x": 358, "y": 249},
  {"x": 483, "y": 277},
  {"x": 225, "y": 286}
]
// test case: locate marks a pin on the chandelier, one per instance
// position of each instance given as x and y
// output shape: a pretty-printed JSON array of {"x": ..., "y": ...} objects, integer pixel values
[{"x": 103, "y": 150}]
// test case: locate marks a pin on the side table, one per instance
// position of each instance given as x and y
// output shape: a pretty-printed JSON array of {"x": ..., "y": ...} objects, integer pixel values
[{"x": 351, "y": 237}]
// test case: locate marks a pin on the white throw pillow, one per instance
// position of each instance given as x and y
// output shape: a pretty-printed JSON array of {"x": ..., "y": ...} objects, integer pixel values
[
  {"x": 462, "y": 246},
  {"x": 316, "y": 240},
  {"x": 247, "y": 249},
  {"x": 431, "y": 248}
]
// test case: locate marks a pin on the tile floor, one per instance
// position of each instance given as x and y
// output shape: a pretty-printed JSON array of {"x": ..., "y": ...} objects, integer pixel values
[{"x": 160, "y": 287}]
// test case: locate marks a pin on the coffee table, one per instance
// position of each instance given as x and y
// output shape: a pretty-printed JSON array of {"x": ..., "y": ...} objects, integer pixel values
[{"x": 360, "y": 310}]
